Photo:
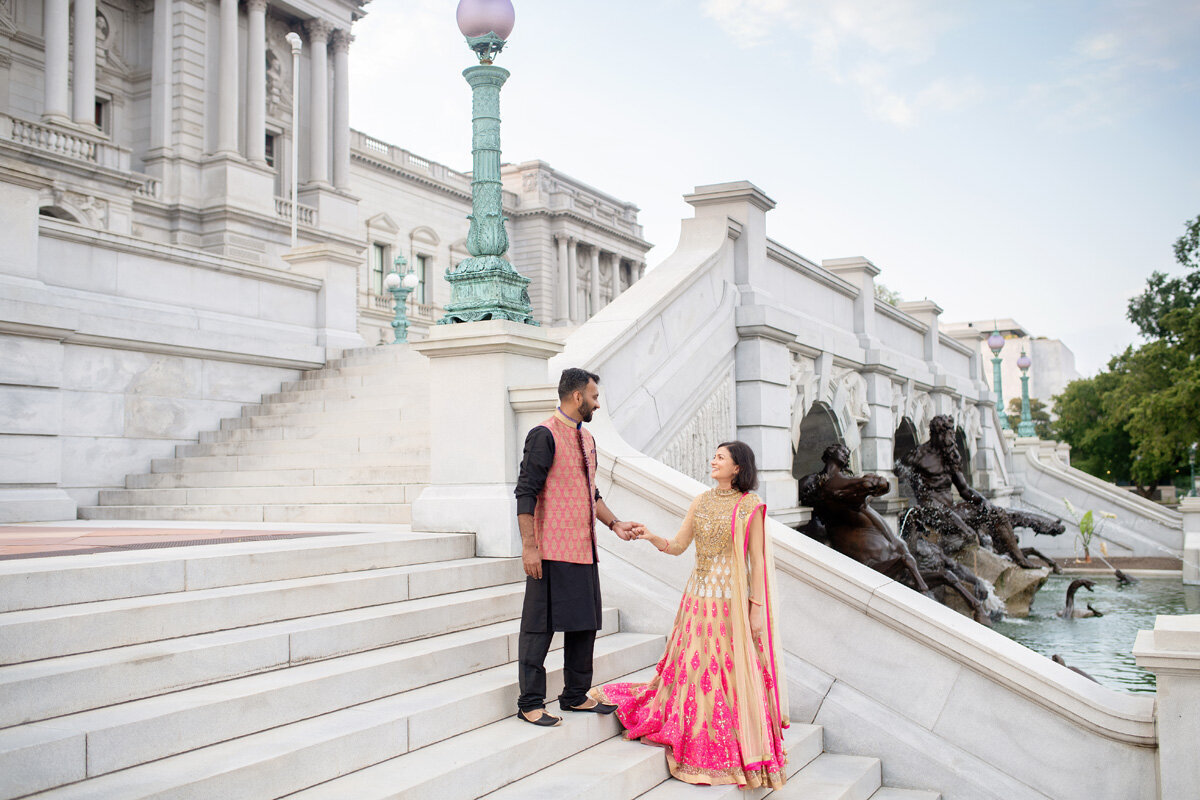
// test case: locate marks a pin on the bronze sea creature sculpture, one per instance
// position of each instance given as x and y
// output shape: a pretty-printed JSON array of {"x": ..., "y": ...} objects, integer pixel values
[{"x": 1069, "y": 611}]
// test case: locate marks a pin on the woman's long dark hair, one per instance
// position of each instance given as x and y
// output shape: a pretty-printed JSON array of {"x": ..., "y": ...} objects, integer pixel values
[{"x": 746, "y": 479}]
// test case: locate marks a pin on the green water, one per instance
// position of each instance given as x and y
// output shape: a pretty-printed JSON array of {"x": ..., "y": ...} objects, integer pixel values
[{"x": 1101, "y": 646}]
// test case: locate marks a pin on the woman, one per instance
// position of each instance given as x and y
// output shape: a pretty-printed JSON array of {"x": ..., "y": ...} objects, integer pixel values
[{"x": 718, "y": 701}]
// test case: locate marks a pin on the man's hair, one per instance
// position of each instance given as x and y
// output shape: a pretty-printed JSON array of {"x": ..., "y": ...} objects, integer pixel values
[
  {"x": 574, "y": 379},
  {"x": 746, "y": 479}
]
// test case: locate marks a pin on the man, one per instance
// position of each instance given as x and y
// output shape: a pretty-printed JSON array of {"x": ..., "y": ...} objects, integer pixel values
[
  {"x": 557, "y": 508},
  {"x": 933, "y": 470}
]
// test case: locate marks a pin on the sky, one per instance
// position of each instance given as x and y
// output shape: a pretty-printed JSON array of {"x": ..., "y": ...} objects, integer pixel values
[{"x": 1033, "y": 159}]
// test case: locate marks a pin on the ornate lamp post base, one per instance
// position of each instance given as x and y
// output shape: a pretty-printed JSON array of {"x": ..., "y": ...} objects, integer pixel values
[{"x": 487, "y": 287}]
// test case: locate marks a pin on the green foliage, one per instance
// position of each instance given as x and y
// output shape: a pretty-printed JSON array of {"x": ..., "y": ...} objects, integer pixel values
[
  {"x": 1164, "y": 294},
  {"x": 1087, "y": 523},
  {"x": 1136, "y": 420},
  {"x": 1038, "y": 412},
  {"x": 889, "y": 296}
]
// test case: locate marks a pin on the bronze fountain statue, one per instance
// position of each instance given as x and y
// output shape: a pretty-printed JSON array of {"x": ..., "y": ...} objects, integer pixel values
[{"x": 840, "y": 512}]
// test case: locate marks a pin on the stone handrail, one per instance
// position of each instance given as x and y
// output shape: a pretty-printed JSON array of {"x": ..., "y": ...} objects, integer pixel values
[{"x": 76, "y": 145}]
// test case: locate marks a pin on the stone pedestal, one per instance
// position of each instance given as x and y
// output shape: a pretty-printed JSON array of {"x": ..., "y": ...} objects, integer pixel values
[
  {"x": 1012, "y": 584},
  {"x": 1190, "y": 508},
  {"x": 337, "y": 302},
  {"x": 1172, "y": 652},
  {"x": 476, "y": 437}
]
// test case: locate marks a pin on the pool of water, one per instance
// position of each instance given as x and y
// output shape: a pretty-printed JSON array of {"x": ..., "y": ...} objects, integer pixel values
[{"x": 1101, "y": 646}]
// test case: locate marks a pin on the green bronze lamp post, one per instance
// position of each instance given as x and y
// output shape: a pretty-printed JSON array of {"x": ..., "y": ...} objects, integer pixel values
[
  {"x": 1026, "y": 427},
  {"x": 485, "y": 286},
  {"x": 1192, "y": 466},
  {"x": 995, "y": 343},
  {"x": 400, "y": 287}
]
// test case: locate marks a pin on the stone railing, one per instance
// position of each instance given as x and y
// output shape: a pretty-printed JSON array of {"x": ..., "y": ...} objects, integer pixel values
[
  {"x": 150, "y": 187},
  {"x": 382, "y": 302},
  {"x": 307, "y": 214},
  {"x": 410, "y": 162},
  {"x": 72, "y": 144}
]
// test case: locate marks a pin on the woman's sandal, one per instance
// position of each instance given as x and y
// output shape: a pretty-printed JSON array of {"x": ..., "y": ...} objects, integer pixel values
[{"x": 546, "y": 720}]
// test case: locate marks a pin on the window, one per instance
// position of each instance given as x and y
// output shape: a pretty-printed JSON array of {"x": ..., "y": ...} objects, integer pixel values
[
  {"x": 103, "y": 115},
  {"x": 422, "y": 270},
  {"x": 378, "y": 267},
  {"x": 269, "y": 150}
]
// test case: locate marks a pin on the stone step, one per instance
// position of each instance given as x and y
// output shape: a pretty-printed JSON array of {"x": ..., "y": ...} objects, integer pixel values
[
  {"x": 64, "y": 630},
  {"x": 262, "y": 495},
  {"x": 887, "y": 793},
  {"x": 403, "y": 447},
  {"x": 348, "y": 513},
  {"x": 338, "y": 476},
  {"x": 340, "y": 369},
  {"x": 145, "y": 730},
  {"x": 339, "y": 406},
  {"x": 377, "y": 380},
  {"x": 617, "y": 768},
  {"x": 833, "y": 777},
  {"x": 41, "y": 690},
  {"x": 487, "y": 758},
  {"x": 324, "y": 751},
  {"x": 331, "y": 427},
  {"x": 358, "y": 418},
  {"x": 59, "y": 581},
  {"x": 414, "y": 392},
  {"x": 309, "y": 460}
]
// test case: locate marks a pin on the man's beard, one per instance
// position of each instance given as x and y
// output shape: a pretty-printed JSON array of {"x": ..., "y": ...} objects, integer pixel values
[
  {"x": 949, "y": 452},
  {"x": 586, "y": 416}
]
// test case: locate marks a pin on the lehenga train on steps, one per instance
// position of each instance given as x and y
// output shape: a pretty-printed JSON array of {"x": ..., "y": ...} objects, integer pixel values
[{"x": 718, "y": 702}]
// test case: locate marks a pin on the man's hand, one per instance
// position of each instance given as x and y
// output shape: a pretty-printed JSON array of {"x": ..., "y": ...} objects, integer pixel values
[
  {"x": 531, "y": 559},
  {"x": 626, "y": 530}
]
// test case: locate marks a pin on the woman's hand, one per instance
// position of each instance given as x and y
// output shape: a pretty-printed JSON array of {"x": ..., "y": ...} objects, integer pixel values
[{"x": 758, "y": 625}]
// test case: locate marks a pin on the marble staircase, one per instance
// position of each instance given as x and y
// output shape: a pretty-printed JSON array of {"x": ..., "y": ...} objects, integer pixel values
[
  {"x": 346, "y": 443},
  {"x": 369, "y": 665}
]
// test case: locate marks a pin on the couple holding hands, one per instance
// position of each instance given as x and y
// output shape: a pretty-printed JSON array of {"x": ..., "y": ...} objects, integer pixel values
[{"x": 717, "y": 701}]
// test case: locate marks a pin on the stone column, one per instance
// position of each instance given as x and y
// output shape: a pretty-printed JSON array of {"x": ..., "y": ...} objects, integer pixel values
[
  {"x": 562, "y": 310},
  {"x": 83, "y": 110},
  {"x": 227, "y": 80},
  {"x": 341, "y": 108},
  {"x": 160, "y": 78},
  {"x": 1172, "y": 652},
  {"x": 594, "y": 281},
  {"x": 318, "y": 128},
  {"x": 615, "y": 277},
  {"x": 56, "y": 21},
  {"x": 573, "y": 279},
  {"x": 256, "y": 80},
  {"x": 1190, "y": 509},
  {"x": 640, "y": 270}
]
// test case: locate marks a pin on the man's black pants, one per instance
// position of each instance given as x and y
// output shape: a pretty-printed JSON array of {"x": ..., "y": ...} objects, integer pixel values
[{"x": 577, "y": 668}]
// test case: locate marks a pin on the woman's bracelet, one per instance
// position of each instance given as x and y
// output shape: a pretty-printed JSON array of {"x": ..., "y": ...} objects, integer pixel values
[
  {"x": 755, "y": 602},
  {"x": 665, "y": 547}
]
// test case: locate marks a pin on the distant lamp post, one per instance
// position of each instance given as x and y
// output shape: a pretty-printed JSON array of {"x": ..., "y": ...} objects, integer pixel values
[
  {"x": 995, "y": 343},
  {"x": 1026, "y": 427},
  {"x": 295, "y": 41},
  {"x": 1192, "y": 465},
  {"x": 485, "y": 286},
  {"x": 400, "y": 287}
]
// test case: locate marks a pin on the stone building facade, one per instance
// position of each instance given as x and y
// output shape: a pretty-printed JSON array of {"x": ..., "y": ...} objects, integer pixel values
[{"x": 149, "y": 285}]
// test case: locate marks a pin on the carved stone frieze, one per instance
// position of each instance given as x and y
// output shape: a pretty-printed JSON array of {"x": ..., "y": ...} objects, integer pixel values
[
  {"x": 802, "y": 389},
  {"x": 691, "y": 449}
]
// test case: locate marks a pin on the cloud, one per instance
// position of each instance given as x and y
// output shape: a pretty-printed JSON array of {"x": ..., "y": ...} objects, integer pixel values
[{"x": 868, "y": 44}]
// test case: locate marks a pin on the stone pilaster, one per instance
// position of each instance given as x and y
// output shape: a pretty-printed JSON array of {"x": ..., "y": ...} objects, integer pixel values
[
  {"x": 160, "y": 79},
  {"x": 860, "y": 272},
  {"x": 318, "y": 129},
  {"x": 56, "y": 23},
  {"x": 562, "y": 295},
  {"x": 614, "y": 277},
  {"x": 227, "y": 80},
  {"x": 341, "y": 108},
  {"x": 256, "y": 80},
  {"x": 593, "y": 281},
  {"x": 573, "y": 279},
  {"x": 83, "y": 109},
  {"x": 1172, "y": 652}
]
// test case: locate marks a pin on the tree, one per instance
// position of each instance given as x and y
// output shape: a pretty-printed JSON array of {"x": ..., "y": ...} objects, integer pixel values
[
  {"x": 1164, "y": 294},
  {"x": 1136, "y": 420},
  {"x": 1038, "y": 411},
  {"x": 889, "y": 296}
]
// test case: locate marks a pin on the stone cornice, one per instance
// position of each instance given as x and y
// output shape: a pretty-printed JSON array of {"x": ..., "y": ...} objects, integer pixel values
[{"x": 799, "y": 263}]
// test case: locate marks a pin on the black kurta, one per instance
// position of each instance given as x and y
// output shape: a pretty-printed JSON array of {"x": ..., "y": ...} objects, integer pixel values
[{"x": 567, "y": 597}]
